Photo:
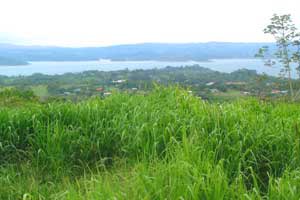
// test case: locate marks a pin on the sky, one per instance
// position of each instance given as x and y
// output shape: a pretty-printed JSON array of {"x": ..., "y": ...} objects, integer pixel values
[{"x": 77, "y": 23}]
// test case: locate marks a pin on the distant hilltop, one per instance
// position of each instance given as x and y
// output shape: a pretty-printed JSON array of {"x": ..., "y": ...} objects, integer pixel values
[
  {"x": 17, "y": 54},
  {"x": 11, "y": 61}
]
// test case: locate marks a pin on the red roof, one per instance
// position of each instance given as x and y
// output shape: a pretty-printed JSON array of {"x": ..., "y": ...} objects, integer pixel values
[{"x": 99, "y": 89}]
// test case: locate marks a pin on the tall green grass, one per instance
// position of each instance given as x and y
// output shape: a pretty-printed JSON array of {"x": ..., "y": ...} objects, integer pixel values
[{"x": 167, "y": 144}]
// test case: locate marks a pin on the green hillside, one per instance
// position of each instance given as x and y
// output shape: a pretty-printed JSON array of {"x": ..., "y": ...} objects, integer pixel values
[{"x": 167, "y": 144}]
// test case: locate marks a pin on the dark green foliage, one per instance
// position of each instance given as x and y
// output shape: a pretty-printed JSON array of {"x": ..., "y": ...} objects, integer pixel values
[{"x": 12, "y": 97}]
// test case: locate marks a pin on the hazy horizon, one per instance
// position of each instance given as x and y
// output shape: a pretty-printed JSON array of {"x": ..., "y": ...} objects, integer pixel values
[
  {"x": 124, "y": 44},
  {"x": 104, "y": 23}
]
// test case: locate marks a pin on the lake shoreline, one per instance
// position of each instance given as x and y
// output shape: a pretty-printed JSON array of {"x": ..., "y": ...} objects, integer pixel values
[{"x": 62, "y": 67}]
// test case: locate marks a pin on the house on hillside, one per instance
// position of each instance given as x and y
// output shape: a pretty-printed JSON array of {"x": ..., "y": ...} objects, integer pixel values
[
  {"x": 77, "y": 90},
  {"x": 214, "y": 90},
  {"x": 210, "y": 83},
  {"x": 99, "y": 89},
  {"x": 235, "y": 83},
  {"x": 107, "y": 93},
  {"x": 119, "y": 81},
  {"x": 275, "y": 92},
  {"x": 246, "y": 93}
]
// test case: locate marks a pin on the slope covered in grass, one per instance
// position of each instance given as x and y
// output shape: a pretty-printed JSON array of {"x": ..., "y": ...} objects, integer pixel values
[{"x": 165, "y": 145}]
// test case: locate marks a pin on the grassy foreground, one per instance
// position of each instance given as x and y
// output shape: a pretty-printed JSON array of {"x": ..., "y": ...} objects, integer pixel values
[{"x": 165, "y": 145}]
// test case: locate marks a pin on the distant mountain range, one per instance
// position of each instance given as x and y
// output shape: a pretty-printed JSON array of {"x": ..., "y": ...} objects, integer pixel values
[{"x": 16, "y": 54}]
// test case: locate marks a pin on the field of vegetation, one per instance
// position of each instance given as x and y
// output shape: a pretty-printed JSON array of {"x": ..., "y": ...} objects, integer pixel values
[
  {"x": 203, "y": 82},
  {"x": 166, "y": 144}
]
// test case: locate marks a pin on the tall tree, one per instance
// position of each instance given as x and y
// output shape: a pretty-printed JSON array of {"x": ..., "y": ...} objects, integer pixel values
[{"x": 287, "y": 53}]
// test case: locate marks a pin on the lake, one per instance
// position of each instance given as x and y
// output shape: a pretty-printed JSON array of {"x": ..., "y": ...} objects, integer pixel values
[{"x": 51, "y": 68}]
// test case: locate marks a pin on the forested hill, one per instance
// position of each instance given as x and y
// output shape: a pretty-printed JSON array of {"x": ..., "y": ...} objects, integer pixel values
[{"x": 146, "y": 51}]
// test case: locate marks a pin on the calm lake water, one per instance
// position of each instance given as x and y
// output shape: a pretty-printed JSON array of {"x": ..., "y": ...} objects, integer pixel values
[{"x": 51, "y": 68}]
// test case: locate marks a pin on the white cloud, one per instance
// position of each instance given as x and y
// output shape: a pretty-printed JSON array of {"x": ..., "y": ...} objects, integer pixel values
[{"x": 105, "y": 22}]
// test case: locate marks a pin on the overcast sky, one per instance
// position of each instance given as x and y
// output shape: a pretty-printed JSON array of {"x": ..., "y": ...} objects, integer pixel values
[{"x": 107, "y": 22}]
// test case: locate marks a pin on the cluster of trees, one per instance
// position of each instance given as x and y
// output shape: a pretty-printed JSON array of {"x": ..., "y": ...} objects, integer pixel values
[{"x": 198, "y": 79}]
